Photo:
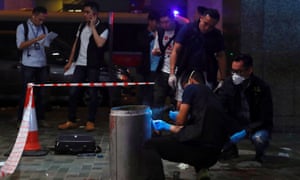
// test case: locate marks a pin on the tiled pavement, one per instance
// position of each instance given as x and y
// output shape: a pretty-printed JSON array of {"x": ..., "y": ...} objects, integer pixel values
[{"x": 282, "y": 161}]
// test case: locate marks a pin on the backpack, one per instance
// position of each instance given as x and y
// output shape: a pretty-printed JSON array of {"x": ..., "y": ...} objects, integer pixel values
[{"x": 25, "y": 25}]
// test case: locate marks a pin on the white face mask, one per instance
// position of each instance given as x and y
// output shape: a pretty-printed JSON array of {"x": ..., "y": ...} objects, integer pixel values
[{"x": 237, "y": 79}]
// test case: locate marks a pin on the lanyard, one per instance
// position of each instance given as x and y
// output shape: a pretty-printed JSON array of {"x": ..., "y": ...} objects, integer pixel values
[{"x": 35, "y": 33}]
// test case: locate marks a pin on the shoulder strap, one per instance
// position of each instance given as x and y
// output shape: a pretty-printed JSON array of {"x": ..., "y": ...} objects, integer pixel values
[
  {"x": 160, "y": 34},
  {"x": 25, "y": 25},
  {"x": 163, "y": 48},
  {"x": 169, "y": 42},
  {"x": 20, "y": 52},
  {"x": 43, "y": 28},
  {"x": 160, "y": 41},
  {"x": 80, "y": 28}
]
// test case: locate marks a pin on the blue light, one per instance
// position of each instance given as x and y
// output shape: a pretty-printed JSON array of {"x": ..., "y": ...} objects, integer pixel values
[{"x": 175, "y": 12}]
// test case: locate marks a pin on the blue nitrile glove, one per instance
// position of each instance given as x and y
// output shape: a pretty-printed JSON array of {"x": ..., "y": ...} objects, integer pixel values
[
  {"x": 173, "y": 115},
  {"x": 236, "y": 137},
  {"x": 161, "y": 125}
]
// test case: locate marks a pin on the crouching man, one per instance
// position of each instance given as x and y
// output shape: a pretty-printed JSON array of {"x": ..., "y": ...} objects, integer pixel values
[
  {"x": 197, "y": 135},
  {"x": 248, "y": 102}
]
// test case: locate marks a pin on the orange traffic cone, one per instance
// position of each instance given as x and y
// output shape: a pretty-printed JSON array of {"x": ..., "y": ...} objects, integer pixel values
[
  {"x": 32, "y": 146},
  {"x": 32, "y": 142},
  {"x": 27, "y": 142}
]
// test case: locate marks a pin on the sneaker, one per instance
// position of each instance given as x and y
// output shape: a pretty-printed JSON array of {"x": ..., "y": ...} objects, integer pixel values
[
  {"x": 68, "y": 125},
  {"x": 90, "y": 126},
  {"x": 203, "y": 174}
]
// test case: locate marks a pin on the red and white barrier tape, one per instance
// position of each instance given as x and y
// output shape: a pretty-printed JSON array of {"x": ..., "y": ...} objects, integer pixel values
[
  {"x": 96, "y": 84},
  {"x": 12, "y": 162}
]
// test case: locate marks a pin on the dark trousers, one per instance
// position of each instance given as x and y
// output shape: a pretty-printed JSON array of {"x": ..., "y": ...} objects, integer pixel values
[
  {"x": 33, "y": 75},
  {"x": 84, "y": 74},
  {"x": 162, "y": 90},
  {"x": 145, "y": 92},
  {"x": 169, "y": 148}
]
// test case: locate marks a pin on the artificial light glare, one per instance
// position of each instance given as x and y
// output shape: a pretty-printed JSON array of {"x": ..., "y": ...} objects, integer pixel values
[{"x": 175, "y": 12}]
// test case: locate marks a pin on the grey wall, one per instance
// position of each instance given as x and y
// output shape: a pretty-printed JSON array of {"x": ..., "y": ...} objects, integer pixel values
[{"x": 270, "y": 31}]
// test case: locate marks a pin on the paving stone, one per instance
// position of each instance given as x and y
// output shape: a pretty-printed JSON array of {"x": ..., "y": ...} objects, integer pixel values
[{"x": 282, "y": 160}]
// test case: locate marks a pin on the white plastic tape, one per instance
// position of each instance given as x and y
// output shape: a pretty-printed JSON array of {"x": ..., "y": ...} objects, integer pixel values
[{"x": 12, "y": 161}]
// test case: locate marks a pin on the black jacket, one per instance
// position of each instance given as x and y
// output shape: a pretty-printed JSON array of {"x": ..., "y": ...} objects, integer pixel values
[
  {"x": 259, "y": 98},
  {"x": 95, "y": 55}
]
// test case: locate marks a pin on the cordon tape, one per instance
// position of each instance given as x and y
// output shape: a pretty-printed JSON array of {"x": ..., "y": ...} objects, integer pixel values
[{"x": 14, "y": 158}]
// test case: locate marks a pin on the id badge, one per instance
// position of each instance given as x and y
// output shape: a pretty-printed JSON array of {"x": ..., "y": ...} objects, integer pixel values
[{"x": 37, "y": 46}]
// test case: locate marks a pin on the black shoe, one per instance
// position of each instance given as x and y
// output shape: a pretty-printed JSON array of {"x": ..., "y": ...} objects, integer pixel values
[
  {"x": 259, "y": 159},
  {"x": 229, "y": 151}
]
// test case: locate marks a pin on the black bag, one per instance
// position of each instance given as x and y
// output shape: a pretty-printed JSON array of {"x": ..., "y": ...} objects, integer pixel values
[{"x": 75, "y": 144}]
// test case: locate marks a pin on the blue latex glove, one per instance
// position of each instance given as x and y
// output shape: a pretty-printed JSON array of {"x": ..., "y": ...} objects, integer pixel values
[
  {"x": 161, "y": 125},
  {"x": 173, "y": 115},
  {"x": 236, "y": 137}
]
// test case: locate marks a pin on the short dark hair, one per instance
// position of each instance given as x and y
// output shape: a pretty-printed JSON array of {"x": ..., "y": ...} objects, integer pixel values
[
  {"x": 167, "y": 13},
  {"x": 213, "y": 13},
  {"x": 245, "y": 58},
  {"x": 93, "y": 5},
  {"x": 201, "y": 10},
  {"x": 153, "y": 15},
  {"x": 38, "y": 10}
]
